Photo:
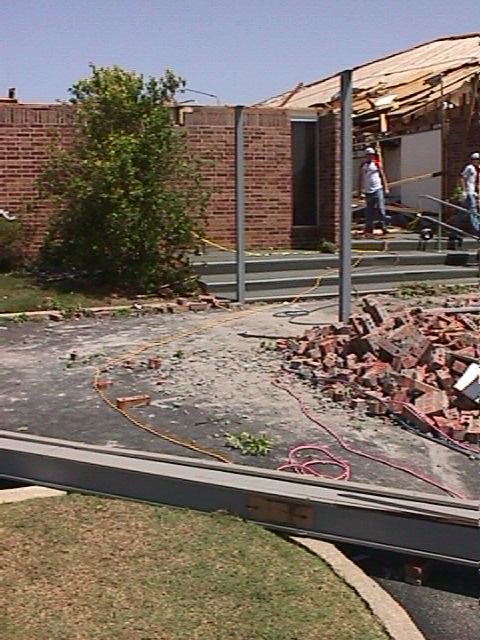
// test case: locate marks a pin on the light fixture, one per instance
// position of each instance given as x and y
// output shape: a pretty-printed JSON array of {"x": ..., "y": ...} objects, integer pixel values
[{"x": 425, "y": 235}]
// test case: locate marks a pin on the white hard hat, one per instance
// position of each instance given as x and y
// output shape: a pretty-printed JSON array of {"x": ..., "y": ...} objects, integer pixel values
[
  {"x": 475, "y": 156},
  {"x": 370, "y": 151}
]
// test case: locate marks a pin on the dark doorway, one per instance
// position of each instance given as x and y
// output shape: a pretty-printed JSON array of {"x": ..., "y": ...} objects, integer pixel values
[{"x": 304, "y": 165}]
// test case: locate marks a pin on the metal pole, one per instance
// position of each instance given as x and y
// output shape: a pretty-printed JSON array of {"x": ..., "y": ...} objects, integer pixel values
[
  {"x": 240, "y": 203},
  {"x": 440, "y": 221},
  {"x": 443, "y": 155},
  {"x": 346, "y": 151}
]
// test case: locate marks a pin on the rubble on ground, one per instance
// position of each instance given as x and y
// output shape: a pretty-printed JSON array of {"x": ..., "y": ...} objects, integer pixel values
[{"x": 411, "y": 363}]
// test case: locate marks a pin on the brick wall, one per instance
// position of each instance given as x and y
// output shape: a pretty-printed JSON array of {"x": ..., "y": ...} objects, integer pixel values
[
  {"x": 268, "y": 189},
  {"x": 26, "y": 130},
  {"x": 329, "y": 177},
  {"x": 25, "y": 134},
  {"x": 462, "y": 138},
  {"x": 211, "y": 135}
]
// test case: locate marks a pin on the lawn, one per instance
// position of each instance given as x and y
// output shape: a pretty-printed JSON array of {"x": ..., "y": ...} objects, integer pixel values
[
  {"x": 81, "y": 568},
  {"x": 20, "y": 293}
]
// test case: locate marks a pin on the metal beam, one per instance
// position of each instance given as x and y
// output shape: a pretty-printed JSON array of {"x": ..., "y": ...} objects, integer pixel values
[
  {"x": 406, "y": 522},
  {"x": 240, "y": 202},
  {"x": 346, "y": 152}
]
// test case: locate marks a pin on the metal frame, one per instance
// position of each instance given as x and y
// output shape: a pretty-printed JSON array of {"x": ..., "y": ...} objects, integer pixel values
[
  {"x": 440, "y": 222},
  {"x": 240, "y": 202},
  {"x": 314, "y": 119},
  {"x": 412, "y": 523},
  {"x": 346, "y": 153}
]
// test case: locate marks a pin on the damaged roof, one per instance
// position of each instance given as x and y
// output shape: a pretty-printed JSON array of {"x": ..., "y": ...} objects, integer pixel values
[{"x": 400, "y": 84}]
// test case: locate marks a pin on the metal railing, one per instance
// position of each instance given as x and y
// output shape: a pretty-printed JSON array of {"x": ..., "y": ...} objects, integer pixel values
[{"x": 439, "y": 221}]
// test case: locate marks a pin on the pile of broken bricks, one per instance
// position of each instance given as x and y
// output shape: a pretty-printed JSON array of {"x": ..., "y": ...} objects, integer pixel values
[
  {"x": 143, "y": 306},
  {"x": 412, "y": 363}
]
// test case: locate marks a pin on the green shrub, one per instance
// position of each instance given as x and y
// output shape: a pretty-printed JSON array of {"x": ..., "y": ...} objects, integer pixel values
[
  {"x": 249, "y": 444},
  {"x": 325, "y": 246},
  {"x": 128, "y": 195}
]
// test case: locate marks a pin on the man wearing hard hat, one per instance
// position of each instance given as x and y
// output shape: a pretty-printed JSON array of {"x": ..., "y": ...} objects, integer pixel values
[
  {"x": 373, "y": 184},
  {"x": 470, "y": 185}
]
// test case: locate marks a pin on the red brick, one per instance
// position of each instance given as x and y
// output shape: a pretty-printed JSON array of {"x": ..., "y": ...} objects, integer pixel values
[
  {"x": 369, "y": 380},
  {"x": 469, "y": 352},
  {"x": 197, "y": 306},
  {"x": 438, "y": 358},
  {"x": 133, "y": 401},
  {"x": 338, "y": 394},
  {"x": 301, "y": 348},
  {"x": 387, "y": 349},
  {"x": 369, "y": 358},
  {"x": 327, "y": 346},
  {"x": 346, "y": 375},
  {"x": 315, "y": 353},
  {"x": 312, "y": 334},
  {"x": 368, "y": 324},
  {"x": 417, "y": 571},
  {"x": 376, "y": 310},
  {"x": 357, "y": 325},
  {"x": 351, "y": 360},
  {"x": 473, "y": 431},
  {"x": 154, "y": 363},
  {"x": 330, "y": 360},
  {"x": 459, "y": 367},
  {"x": 432, "y": 402},
  {"x": 172, "y": 307},
  {"x": 442, "y": 424},
  {"x": 376, "y": 407},
  {"x": 444, "y": 378},
  {"x": 398, "y": 399},
  {"x": 358, "y": 404},
  {"x": 457, "y": 430},
  {"x": 103, "y": 384}
]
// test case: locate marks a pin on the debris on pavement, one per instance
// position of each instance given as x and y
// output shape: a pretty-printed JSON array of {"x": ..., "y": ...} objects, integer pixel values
[
  {"x": 418, "y": 364},
  {"x": 140, "y": 400}
]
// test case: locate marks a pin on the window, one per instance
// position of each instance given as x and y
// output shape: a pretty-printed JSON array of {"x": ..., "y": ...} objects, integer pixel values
[{"x": 304, "y": 165}]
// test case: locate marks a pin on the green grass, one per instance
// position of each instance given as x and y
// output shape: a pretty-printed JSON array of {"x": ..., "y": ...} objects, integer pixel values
[
  {"x": 23, "y": 293},
  {"x": 77, "y": 567}
]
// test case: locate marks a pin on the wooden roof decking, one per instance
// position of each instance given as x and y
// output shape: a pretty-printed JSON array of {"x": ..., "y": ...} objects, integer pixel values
[{"x": 408, "y": 77}]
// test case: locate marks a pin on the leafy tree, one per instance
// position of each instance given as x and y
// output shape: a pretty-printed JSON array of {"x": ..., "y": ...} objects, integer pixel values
[{"x": 128, "y": 195}]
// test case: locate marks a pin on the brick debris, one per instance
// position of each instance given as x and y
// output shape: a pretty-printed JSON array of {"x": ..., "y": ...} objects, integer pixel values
[{"x": 404, "y": 363}]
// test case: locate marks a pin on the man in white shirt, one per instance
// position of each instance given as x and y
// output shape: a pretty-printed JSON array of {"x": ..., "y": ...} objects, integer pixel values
[
  {"x": 469, "y": 179},
  {"x": 373, "y": 184}
]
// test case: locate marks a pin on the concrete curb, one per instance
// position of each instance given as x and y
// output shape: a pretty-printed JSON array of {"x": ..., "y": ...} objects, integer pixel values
[
  {"x": 142, "y": 308},
  {"x": 27, "y": 493},
  {"x": 392, "y": 616}
]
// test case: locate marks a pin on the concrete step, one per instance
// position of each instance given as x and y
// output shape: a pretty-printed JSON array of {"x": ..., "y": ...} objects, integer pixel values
[
  {"x": 409, "y": 243},
  {"x": 279, "y": 285},
  {"x": 314, "y": 261},
  {"x": 329, "y": 291}
]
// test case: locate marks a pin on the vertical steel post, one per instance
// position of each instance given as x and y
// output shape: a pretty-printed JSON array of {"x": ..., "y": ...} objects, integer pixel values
[
  {"x": 240, "y": 203},
  {"x": 346, "y": 151},
  {"x": 443, "y": 189}
]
